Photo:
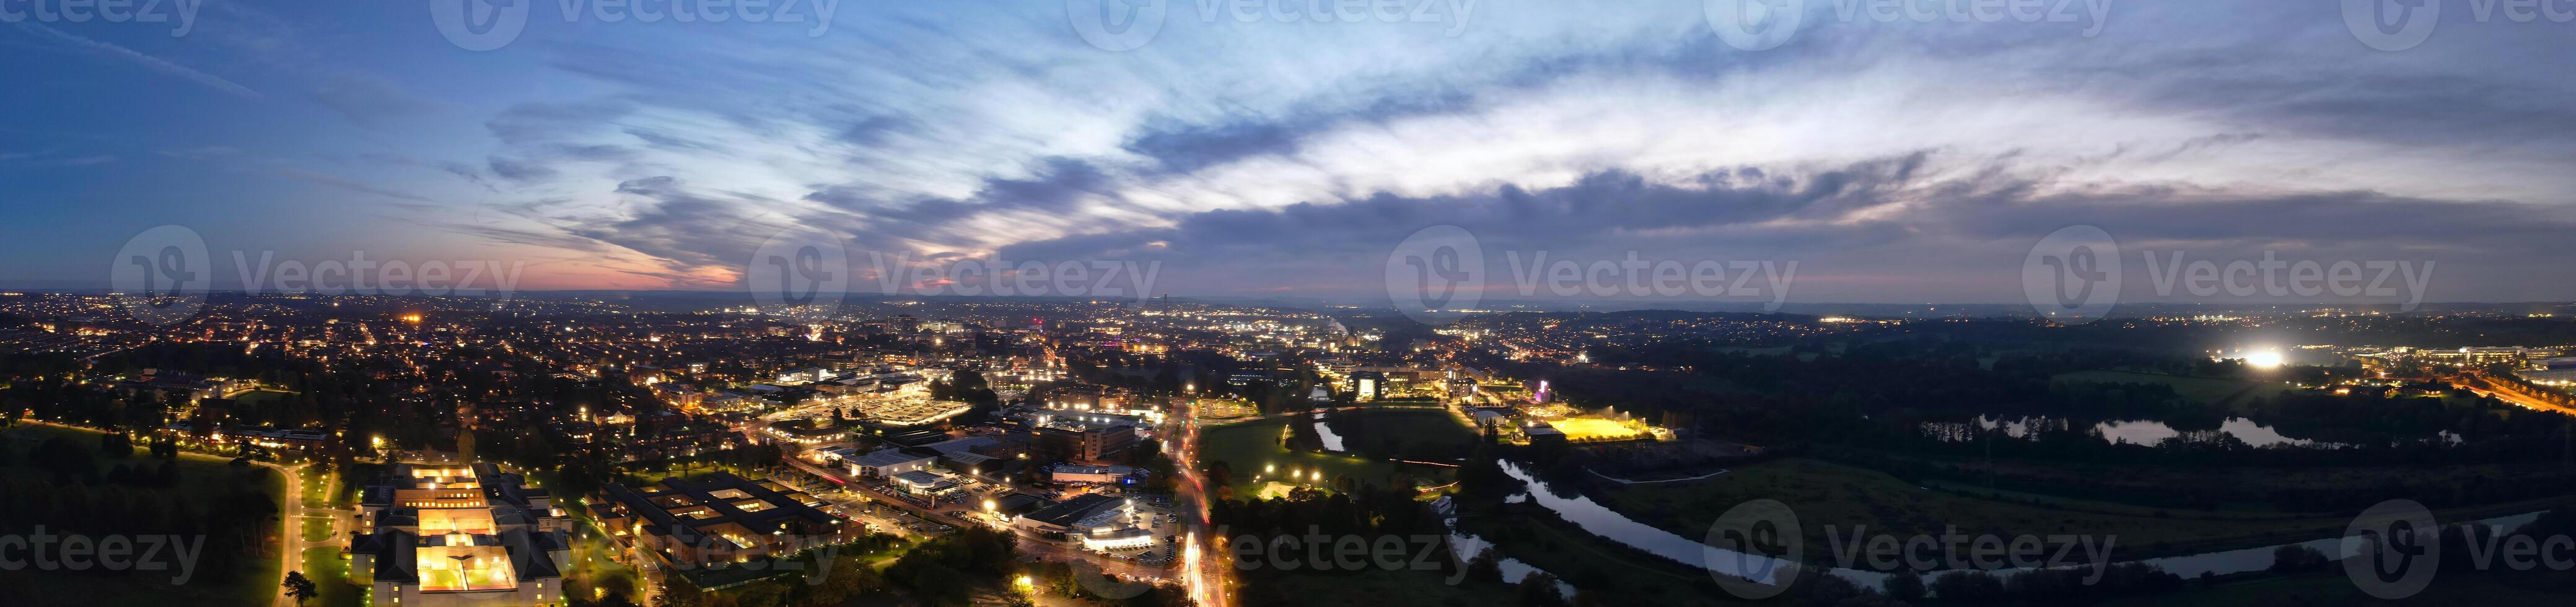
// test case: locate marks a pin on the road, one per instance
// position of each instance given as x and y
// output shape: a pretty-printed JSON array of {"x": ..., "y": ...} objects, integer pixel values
[
  {"x": 2507, "y": 393},
  {"x": 1206, "y": 578}
]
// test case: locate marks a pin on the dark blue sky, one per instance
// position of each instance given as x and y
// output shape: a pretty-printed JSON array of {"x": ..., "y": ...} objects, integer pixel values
[{"x": 1899, "y": 157}]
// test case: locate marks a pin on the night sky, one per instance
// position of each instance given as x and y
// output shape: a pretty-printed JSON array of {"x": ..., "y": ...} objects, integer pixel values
[{"x": 1897, "y": 159}]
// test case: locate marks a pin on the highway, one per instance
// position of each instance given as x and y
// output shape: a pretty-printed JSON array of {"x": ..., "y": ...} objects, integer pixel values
[
  {"x": 2507, "y": 393},
  {"x": 1206, "y": 578}
]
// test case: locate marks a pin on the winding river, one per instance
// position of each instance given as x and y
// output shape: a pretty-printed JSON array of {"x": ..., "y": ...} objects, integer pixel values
[{"x": 1602, "y": 521}]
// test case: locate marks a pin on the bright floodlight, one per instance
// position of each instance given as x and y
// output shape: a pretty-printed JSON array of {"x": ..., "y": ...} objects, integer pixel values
[{"x": 2265, "y": 358}]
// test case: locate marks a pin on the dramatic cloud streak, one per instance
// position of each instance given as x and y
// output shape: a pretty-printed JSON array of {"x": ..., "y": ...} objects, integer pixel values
[{"x": 1898, "y": 161}]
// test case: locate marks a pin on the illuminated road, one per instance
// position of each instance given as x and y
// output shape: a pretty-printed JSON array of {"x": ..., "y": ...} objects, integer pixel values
[
  {"x": 2508, "y": 393},
  {"x": 1205, "y": 577}
]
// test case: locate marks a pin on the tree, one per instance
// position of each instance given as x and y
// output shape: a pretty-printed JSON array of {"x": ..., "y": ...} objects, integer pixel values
[
  {"x": 2294, "y": 558},
  {"x": 1905, "y": 585},
  {"x": 1538, "y": 589},
  {"x": 1486, "y": 567},
  {"x": 1968, "y": 586},
  {"x": 300, "y": 588}
]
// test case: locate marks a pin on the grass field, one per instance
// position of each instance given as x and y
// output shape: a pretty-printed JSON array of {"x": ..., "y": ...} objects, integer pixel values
[
  {"x": 1255, "y": 454},
  {"x": 2334, "y": 587},
  {"x": 1376, "y": 587},
  {"x": 260, "y": 397},
  {"x": 1588, "y": 561},
  {"x": 330, "y": 573},
  {"x": 254, "y": 584},
  {"x": 2231, "y": 393},
  {"x": 1415, "y": 435},
  {"x": 1845, "y": 497},
  {"x": 2141, "y": 479}
]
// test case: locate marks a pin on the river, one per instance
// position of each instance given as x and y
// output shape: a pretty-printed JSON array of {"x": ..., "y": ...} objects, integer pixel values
[{"x": 1602, "y": 521}]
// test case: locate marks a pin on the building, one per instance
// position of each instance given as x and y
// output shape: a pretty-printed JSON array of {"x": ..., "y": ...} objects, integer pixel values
[
  {"x": 2477, "y": 355},
  {"x": 1368, "y": 385},
  {"x": 1071, "y": 473},
  {"x": 292, "y": 440},
  {"x": 1544, "y": 434},
  {"x": 1087, "y": 397},
  {"x": 923, "y": 483},
  {"x": 890, "y": 462},
  {"x": 1098, "y": 522},
  {"x": 1089, "y": 443},
  {"x": 460, "y": 535},
  {"x": 1011, "y": 507},
  {"x": 718, "y": 520},
  {"x": 830, "y": 456},
  {"x": 2555, "y": 378}
]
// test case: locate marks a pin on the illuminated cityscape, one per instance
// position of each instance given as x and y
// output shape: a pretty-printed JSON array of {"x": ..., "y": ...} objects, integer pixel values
[{"x": 1282, "y": 303}]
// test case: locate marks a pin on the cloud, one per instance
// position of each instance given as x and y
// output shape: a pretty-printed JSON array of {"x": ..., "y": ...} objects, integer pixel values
[
  {"x": 157, "y": 64},
  {"x": 368, "y": 101},
  {"x": 874, "y": 130},
  {"x": 695, "y": 233},
  {"x": 518, "y": 170},
  {"x": 347, "y": 184},
  {"x": 540, "y": 122},
  {"x": 1862, "y": 230}
]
